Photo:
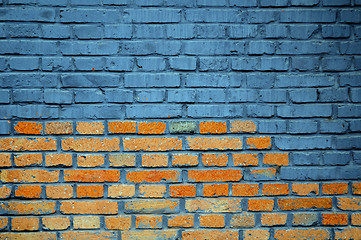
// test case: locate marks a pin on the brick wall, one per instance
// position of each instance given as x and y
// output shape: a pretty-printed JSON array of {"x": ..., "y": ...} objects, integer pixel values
[{"x": 180, "y": 119}]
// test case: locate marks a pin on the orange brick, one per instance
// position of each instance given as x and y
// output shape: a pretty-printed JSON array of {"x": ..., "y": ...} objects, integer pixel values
[
  {"x": 243, "y": 190},
  {"x": 90, "y": 144},
  {"x": 61, "y": 159},
  {"x": 152, "y": 191},
  {"x": 5, "y": 192},
  {"x": 89, "y": 207},
  {"x": 154, "y": 160},
  {"x": 243, "y": 126},
  {"x": 279, "y": 159},
  {"x": 3, "y": 223},
  {"x": 215, "y": 190},
  {"x": 305, "y": 189},
  {"x": 5, "y": 160},
  {"x": 149, "y": 234},
  {"x": 356, "y": 219},
  {"x": 56, "y": 128},
  {"x": 215, "y": 205},
  {"x": 243, "y": 220},
  {"x": 257, "y": 205},
  {"x": 152, "y": 144},
  {"x": 90, "y": 127},
  {"x": 151, "y": 206},
  {"x": 180, "y": 221},
  {"x": 122, "y": 127},
  {"x": 212, "y": 221},
  {"x": 153, "y": 176},
  {"x": 29, "y": 176},
  {"x": 334, "y": 219},
  {"x": 90, "y": 191},
  {"x": 304, "y": 203},
  {"x": 148, "y": 221},
  {"x": 91, "y": 175},
  {"x": 121, "y": 191},
  {"x": 275, "y": 189},
  {"x": 266, "y": 172},
  {"x": 349, "y": 203},
  {"x": 228, "y": 175},
  {"x": 79, "y": 235},
  {"x": 28, "y": 191},
  {"x": 304, "y": 219},
  {"x": 334, "y": 188},
  {"x": 259, "y": 234},
  {"x": 25, "y": 144},
  {"x": 245, "y": 159},
  {"x": 301, "y": 234},
  {"x": 184, "y": 160},
  {"x": 27, "y": 207},
  {"x": 122, "y": 160},
  {"x": 56, "y": 223},
  {"x": 118, "y": 222},
  {"x": 273, "y": 219},
  {"x": 31, "y": 235},
  {"x": 212, "y": 127},
  {"x": 90, "y": 160},
  {"x": 219, "y": 160},
  {"x": 28, "y": 160},
  {"x": 151, "y": 128},
  {"x": 31, "y": 128},
  {"x": 210, "y": 234},
  {"x": 24, "y": 224},
  {"x": 259, "y": 142},
  {"x": 86, "y": 222},
  {"x": 59, "y": 191},
  {"x": 356, "y": 188},
  {"x": 348, "y": 233},
  {"x": 213, "y": 143},
  {"x": 182, "y": 190}
]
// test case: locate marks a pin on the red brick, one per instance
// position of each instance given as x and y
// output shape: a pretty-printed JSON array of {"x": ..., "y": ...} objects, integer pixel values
[
  {"x": 212, "y": 221},
  {"x": 151, "y": 127},
  {"x": 219, "y": 160},
  {"x": 31, "y": 128},
  {"x": 56, "y": 223},
  {"x": 259, "y": 142},
  {"x": 25, "y": 144},
  {"x": 122, "y": 127},
  {"x": 24, "y": 160},
  {"x": 152, "y": 144},
  {"x": 57, "y": 128},
  {"x": 86, "y": 222},
  {"x": 273, "y": 219},
  {"x": 334, "y": 219},
  {"x": 259, "y": 234},
  {"x": 86, "y": 235},
  {"x": 305, "y": 189},
  {"x": 265, "y": 172},
  {"x": 228, "y": 175},
  {"x": 245, "y": 159},
  {"x": 349, "y": 203},
  {"x": 144, "y": 206},
  {"x": 184, "y": 160},
  {"x": 152, "y": 191},
  {"x": 148, "y": 221},
  {"x": 59, "y": 191},
  {"x": 122, "y": 160},
  {"x": 304, "y": 219},
  {"x": 153, "y": 176},
  {"x": 29, "y": 176},
  {"x": 215, "y": 190},
  {"x": 334, "y": 188},
  {"x": 91, "y": 175},
  {"x": 182, "y": 190},
  {"x": 356, "y": 219},
  {"x": 90, "y": 127},
  {"x": 121, "y": 191},
  {"x": 275, "y": 189},
  {"x": 90, "y": 144},
  {"x": 90, "y": 160},
  {"x": 304, "y": 203},
  {"x": 279, "y": 159},
  {"x": 5, "y": 192},
  {"x": 89, "y": 207},
  {"x": 24, "y": 224},
  {"x": 180, "y": 221},
  {"x": 5, "y": 160},
  {"x": 154, "y": 160},
  {"x": 356, "y": 188},
  {"x": 243, "y": 220},
  {"x": 210, "y": 235},
  {"x": 316, "y": 234},
  {"x": 243, "y": 190},
  {"x": 257, "y": 205},
  {"x": 28, "y": 191},
  {"x": 89, "y": 191},
  {"x": 348, "y": 233},
  {"x": 61, "y": 159},
  {"x": 215, "y": 205},
  {"x": 243, "y": 127},
  {"x": 149, "y": 234},
  {"x": 3, "y": 223},
  {"x": 26, "y": 236},
  {"x": 27, "y": 207},
  {"x": 212, "y": 127},
  {"x": 118, "y": 222},
  {"x": 214, "y": 143}
]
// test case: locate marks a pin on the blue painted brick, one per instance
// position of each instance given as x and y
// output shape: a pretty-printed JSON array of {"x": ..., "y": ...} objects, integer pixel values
[
  {"x": 309, "y": 174},
  {"x": 336, "y": 64},
  {"x": 57, "y": 96},
  {"x": 211, "y": 95},
  {"x": 250, "y": 3},
  {"x": 304, "y": 80},
  {"x": 15, "y": 2},
  {"x": 88, "y": 32},
  {"x": 213, "y": 15},
  {"x": 350, "y": 47},
  {"x": 358, "y": 32},
  {"x": 35, "y": 111},
  {"x": 211, "y": 31},
  {"x": 273, "y": 96},
  {"x": 149, "y": 31},
  {"x": 85, "y": 111},
  {"x": 350, "y": 16},
  {"x": 211, "y": 3},
  {"x": 305, "y": 63},
  {"x": 356, "y": 95},
  {"x": 306, "y": 158},
  {"x": 119, "y": 31},
  {"x": 336, "y": 31},
  {"x": 260, "y": 80},
  {"x": 336, "y": 126},
  {"x": 212, "y": 80},
  {"x": 260, "y": 110},
  {"x": 302, "y": 31},
  {"x": 151, "y": 64},
  {"x": 28, "y": 95},
  {"x": 116, "y": 2},
  {"x": 89, "y": 80},
  {"x": 153, "y": 15},
  {"x": 23, "y": 30},
  {"x": 89, "y": 48},
  {"x": 261, "y": 16},
  {"x": 56, "y": 31},
  {"x": 150, "y": 47},
  {"x": 148, "y": 2},
  {"x": 150, "y": 96},
  {"x": 303, "y": 95},
  {"x": 248, "y": 176},
  {"x": 348, "y": 142},
  {"x": 180, "y": 3},
  {"x": 274, "y": 126},
  {"x": 273, "y": 64},
  {"x": 357, "y": 157},
  {"x": 352, "y": 79},
  {"x": 350, "y": 172},
  {"x": 312, "y": 47},
  {"x": 305, "y": 16},
  {"x": 88, "y": 64},
  {"x": 84, "y": 2},
  {"x": 28, "y": 47},
  {"x": 28, "y": 80},
  {"x": 261, "y": 47},
  {"x": 4, "y": 127},
  {"x": 4, "y": 96},
  {"x": 243, "y": 31},
  {"x": 213, "y": 47},
  {"x": 307, "y": 111},
  {"x": 183, "y": 63},
  {"x": 274, "y": 3},
  {"x": 184, "y": 95},
  {"x": 73, "y": 15},
  {"x": 24, "y": 63},
  {"x": 215, "y": 111},
  {"x": 119, "y": 63},
  {"x": 336, "y": 158},
  {"x": 3, "y": 31},
  {"x": 153, "y": 111},
  {"x": 357, "y": 63},
  {"x": 53, "y": 2},
  {"x": 180, "y": 31},
  {"x": 242, "y": 95},
  {"x": 302, "y": 127},
  {"x": 213, "y": 63},
  {"x": 349, "y": 111},
  {"x": 118, "y": 96},
  {"x": 303, "y": 143},
  {"x": 333, "y": 95},
  {"x": 136, "y": 80},
  {"x": 28, "y": 14},
  {"x": 245, "y": 64},
  {"x": 89, "y": 96},
  {"x": 2, "y": 64},
  {"x": 56, "y": 63},
  {"x": 304, "y": 2},
  {"x": 275, "y": 31}
]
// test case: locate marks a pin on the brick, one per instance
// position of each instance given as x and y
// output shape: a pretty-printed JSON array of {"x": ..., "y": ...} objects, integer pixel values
[
  {"x": 260, "y": 205},
  {"x": 152, "y": 144},
  {"x": 215, "y": 190},
  {"x": 351, "y": 233},
  {"x": 150, "y": 234},
  {"x": 118, "y": 31},
  {"x": 56, "y": 223},
  {"x": 306, "y": 80},
  {"x": 334, "y": 188},
  {"x": 148, "y": 221},
  {"x": 153, "y": 176},
  {"x": 212, "y": 127},
  {"x": 219, "y": 160},
  {"x": 210, "y": 234},
  {"x": 215, "y": 111},
  {"x": 182, "y": 190},
  {"x": 216, "y": 205},
  {"x": 122, "y": 160},
  {"x": 212, "y": 95},
  {"x": 153, "y": 15},
  {"x": 101, "y": 235},
  {"x": 86, "y": 222},
  {"x": 356, "y": 219},
  {"x": 184, "y": 160},
  {"x": 121, "y": 191},
  {"x": 59, "y": 191},
  {"x": 220, "y": 143},
  {"x": 245, "y": 159},
  {"x": 89, "y": 207},
  {"x": 229, "y": 175},
  {"x": 61, "y": 159},
  {"x": 24, "y": 144},
  {"x": 152, "y": 80},
  {"x": 29, "y": 176},
  {"x": 154, "y": 160},
  {"x": 180, "y": 221},
  {"x": 356, "y": 188},
  {"x": 214, "y": 47},
  {"x": 280, "y": 159},
  {"x": 212, "y": 221},
  {"x": 151, "y": 128},
  {"x": 302, "y": 143},
  {"x": 88, "y": 80},
  {"x": 90, "y": 191},
  {"x": 275, "y": 189},
  {"x": 29, "y": 14},
  {"x": 304, "y": 219},
  {"x": 90, "y": 160},
  {"x": 273, "y": 219},
  {"x": 152, "y": 191},
  {"x": 212, "y": 80},
  {"x": 58, "y": 128},
  {"x": 24, "y": 224},
  {"x": 349, "y": 203},
  {"x": 5, "y": 192},
  {"x": 302, "y": 127},
  {"x": 305, "y": 63},
  {"x": 259, "y": 142},
  {"x": 150, "y": 96},
  {"x": 91, "y": 175},
  {"x": 27, "y": 207},
  {"x": 243, "y": 31},
  {"x": 181, "y": 96},
  {"x": 183, "y": 63},
  {"x": 302, "y": 234},
  {"x": 262, "y": 174},
  {"x": 28, "y": 191},
  {"x": 90, "y": 127},
  {"x": 180, "y": 31},
  {"x": 304, "y": 203},
  {"x": 305, "y": 189},
  {"x": 90, "y": 144},
  {"x": 152, "y": 206},
  {"x": 118, "y": 96},
  {"x": 24, "y": 160},
  {"x": 243, "y": 126},
  {"x": 260, "y": 234},
  {"x": 243, "y": 220},
  {"x": 182, "y": 127},
  {"x": 332, "y": 219},
  {"x": 242, "y": 190},
  {"x": 118, "y": 222},
  {"x": 24, "y": 236},
  {"x": 4, "y": 125},
  {"x": 29, "y": 128}
]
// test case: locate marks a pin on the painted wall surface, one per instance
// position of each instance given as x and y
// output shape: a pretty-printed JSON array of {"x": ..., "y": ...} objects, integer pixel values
[{"x": 180, "y": 119}]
